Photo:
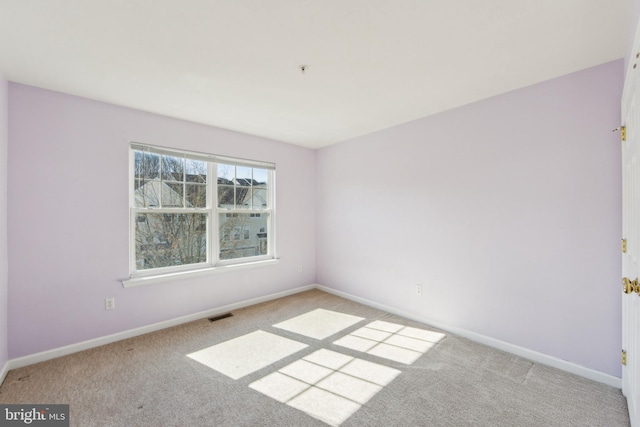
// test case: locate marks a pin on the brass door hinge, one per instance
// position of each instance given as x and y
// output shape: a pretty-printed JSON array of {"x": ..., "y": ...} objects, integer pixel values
[
  {"x": 630, "y": 286},
  {"x": 624, "y": 358},
  {"x": 623, "y": 133},
  {"x": 624, "y": 246}
]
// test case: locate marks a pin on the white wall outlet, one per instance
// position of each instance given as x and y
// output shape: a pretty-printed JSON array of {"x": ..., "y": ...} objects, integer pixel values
[
  {"x": 109, "y": 303},
  {"x": 418, "y": 289},
  {"x": 299, "y": 269}
]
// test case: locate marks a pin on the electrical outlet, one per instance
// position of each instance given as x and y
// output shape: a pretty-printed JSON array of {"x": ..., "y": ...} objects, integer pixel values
[
  {"x": 299, "y": 269},
  {"x": 418, "y": 289},
  {"x": 109, "y": 303}
]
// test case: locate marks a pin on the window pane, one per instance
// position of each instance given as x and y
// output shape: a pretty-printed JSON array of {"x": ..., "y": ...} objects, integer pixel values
[
  {"x": 243, "y": 173},
  {"x": 243, "y": 182},
  {"x": 196, "y": 171},
  {"x": 243, "y": 194},
  {"x": 172, "y": 195},
  {"x": 147, "y": 165},
  {"x": 226, "y": 186},
  {"x": 259, "y": 199},
  {"x": 172, "y": 168},
  {"x": 243, "y": 235},
  {"x": 261, "y": 176},
  {"x": 138, "y": 157},
  {"x": 147, "y": 194},
  {"x": 225, "y": 195},
  {"x": 196, "y": 195},
  {"x": 259, "y": 196},
  {"x": 227, "y": 172},
  {"x": 165, "y": 240}
]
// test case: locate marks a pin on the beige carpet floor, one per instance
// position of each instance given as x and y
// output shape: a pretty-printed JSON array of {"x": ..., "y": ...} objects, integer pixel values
[{"x": 189, "y": 375}]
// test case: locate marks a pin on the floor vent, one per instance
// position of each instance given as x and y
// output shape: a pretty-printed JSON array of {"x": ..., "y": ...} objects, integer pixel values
[{"x": 222, "y": 316}]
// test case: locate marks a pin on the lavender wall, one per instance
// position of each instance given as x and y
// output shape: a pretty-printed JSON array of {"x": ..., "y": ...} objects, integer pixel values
[
  {"x": 4, "y": 265},
  {"x": 68, "y": 220},
  {"x": 507, "y": 212}
]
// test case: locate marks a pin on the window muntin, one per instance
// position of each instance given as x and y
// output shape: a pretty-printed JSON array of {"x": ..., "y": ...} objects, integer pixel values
[
  {"x": 241, "y": 187},
  {"x": 174, "y": 226}
]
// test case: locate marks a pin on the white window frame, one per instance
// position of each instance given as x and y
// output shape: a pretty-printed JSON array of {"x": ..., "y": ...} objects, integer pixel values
[{"x": 213, "y": 262}]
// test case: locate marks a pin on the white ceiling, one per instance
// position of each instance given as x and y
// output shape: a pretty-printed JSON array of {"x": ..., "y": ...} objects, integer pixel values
[{"x": 234, "y": 64}]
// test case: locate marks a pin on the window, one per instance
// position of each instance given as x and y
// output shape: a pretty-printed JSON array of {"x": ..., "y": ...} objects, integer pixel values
[{"x": 192, "y": 211}]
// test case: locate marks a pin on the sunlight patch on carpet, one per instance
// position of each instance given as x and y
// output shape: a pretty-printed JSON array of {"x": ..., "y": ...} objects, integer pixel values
[
  {"x": 403, "y": 344},
  {"x": 326, "y": 385},
  {"x": 246, "y": 354},
  {"x": 319, "y": 323}
]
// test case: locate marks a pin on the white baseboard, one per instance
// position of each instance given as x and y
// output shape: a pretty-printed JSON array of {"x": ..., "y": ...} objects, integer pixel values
[
  {"x": 532, "y": 355},
  {"x": 85, "y": 345},
  {"x": 482, "y": 339}
]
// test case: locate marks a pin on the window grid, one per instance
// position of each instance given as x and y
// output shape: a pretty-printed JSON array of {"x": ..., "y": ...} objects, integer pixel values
[{"x": 163, "y": 185}]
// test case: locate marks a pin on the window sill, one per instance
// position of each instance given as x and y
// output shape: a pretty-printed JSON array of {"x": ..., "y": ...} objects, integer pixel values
[{"x": 167, "y": 277}]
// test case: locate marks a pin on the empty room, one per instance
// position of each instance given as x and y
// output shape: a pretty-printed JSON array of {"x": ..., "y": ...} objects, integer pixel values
[{"x": 311, "y": 213}]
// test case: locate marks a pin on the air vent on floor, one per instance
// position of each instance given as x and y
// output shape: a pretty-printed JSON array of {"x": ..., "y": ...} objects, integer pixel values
[{"x": 222, "y": 316}]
